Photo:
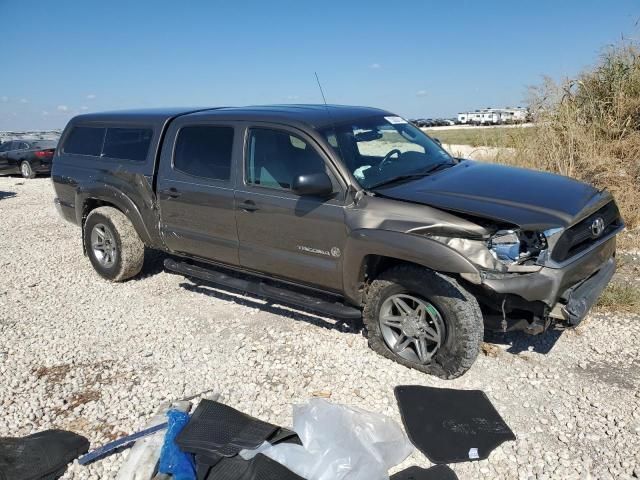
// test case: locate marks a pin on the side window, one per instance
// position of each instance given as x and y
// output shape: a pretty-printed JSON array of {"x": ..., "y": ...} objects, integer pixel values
[
  {"x": 204, "y": 151},
  {"x": 85, "y": 141},
  {"x": 127, "y": 143},
  {"x": 275, "y": 158}
]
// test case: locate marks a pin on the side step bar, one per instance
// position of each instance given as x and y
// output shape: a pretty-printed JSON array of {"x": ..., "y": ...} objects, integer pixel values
[{"x": 262, "y": 289}]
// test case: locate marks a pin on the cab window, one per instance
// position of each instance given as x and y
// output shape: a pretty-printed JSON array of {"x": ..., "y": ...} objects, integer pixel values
[{"x": 204, "y": 151}]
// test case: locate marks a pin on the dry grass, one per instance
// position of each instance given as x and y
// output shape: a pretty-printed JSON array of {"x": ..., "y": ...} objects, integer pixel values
[
  {"x": 54, "y": 374},
  {"x": 589, "y": 128},
  {"x": 620, "y": 297},
  {"x": 500, "y": 137}
]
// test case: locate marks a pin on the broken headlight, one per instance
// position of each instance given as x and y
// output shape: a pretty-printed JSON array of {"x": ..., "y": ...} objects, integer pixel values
[
  {"x": 514, "y": 251},
  {"x": 516, "y": 246}
]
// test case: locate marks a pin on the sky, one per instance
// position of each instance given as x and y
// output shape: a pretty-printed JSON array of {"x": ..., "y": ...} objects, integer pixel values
[{"x": 415, "y": 58}]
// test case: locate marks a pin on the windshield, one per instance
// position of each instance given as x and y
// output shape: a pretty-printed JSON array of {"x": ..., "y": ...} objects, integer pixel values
[{"x": 381, "y": 149}]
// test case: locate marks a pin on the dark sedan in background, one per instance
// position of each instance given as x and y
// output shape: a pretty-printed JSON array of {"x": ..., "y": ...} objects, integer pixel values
[{"x": 26, "y": 157}]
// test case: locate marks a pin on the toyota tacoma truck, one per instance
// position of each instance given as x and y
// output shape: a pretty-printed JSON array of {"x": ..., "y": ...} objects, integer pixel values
[{"x": 351, "y": 212}]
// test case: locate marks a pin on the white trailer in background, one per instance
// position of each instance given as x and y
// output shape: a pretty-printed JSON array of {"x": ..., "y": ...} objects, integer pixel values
[{"x": 493, "y": 116}]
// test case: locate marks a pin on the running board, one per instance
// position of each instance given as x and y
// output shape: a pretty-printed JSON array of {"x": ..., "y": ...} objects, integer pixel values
[{"x": 260, "y": 288}]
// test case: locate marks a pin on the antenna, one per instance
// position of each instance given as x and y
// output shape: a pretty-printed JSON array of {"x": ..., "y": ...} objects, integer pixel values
[
  {"x": 358, "y": 193},
  {"x": 321, "y": 91}
]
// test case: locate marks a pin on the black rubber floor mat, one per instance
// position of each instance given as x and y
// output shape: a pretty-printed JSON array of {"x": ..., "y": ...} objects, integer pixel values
[
  {"x": 259, "y": 467},
  {"x": 216, "y": 428},
  {"x": 204, "y": 463},
  {"x": 437, "y": 472},
  {"x": 40, "y": 456},
  {"x": 451, "y": 426}
]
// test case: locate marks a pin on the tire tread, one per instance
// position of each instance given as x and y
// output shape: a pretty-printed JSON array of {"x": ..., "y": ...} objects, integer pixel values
[
  {"x": 463, "y": 309},
  {"x": 131, "y": 248}
]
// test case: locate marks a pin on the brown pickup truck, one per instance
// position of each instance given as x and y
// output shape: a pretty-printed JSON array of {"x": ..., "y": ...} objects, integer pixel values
[{"x": 347, "y": 211}]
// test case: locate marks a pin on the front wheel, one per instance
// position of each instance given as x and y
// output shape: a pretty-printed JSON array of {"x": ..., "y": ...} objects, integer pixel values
[
  {"x": 423, "y": 320},
  {"x": 27, "y": 170}
]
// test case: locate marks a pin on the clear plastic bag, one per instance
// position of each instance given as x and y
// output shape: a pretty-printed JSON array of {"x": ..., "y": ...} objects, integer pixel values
[{"x": 340, "y": 443}]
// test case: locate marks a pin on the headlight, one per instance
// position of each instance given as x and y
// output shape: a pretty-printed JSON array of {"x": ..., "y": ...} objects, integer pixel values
[
  {"x": 516, "y": 246},
  {"x": 505, "y": 245},
  {"x": 505, "y": 251}
]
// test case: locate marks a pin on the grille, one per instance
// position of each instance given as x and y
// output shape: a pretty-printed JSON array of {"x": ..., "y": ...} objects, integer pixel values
[{"x": 579, "y": 237}]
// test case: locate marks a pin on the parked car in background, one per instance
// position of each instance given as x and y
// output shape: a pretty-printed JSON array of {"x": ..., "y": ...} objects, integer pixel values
[
  {"x": 424, "y": 122},
  {"x": 26, "y": 157}
]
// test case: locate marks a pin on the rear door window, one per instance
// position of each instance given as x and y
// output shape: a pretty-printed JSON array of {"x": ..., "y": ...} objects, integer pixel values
[
  {"x": 127, "y": 143},
  {"x": 85, "y": 141},
  {"x": 204, "y": 151}
]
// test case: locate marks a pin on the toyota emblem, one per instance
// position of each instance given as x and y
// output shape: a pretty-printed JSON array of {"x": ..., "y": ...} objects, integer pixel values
[{"x": 597, "y": 227}]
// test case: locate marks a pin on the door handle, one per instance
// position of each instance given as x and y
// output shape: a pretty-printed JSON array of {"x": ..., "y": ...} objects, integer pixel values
[
  {"x": 171, "y": 192},
  {"x": 248, "y": 206}
]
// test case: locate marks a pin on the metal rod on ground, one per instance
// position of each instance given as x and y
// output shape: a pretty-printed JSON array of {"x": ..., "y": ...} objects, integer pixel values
[{"x": 142, "y": 461}]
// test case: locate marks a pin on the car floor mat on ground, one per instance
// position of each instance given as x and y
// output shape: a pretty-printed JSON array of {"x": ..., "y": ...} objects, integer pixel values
[
  {"x": 204, "y": 463},
  {"x": 259, "y": 467},
  {"x": 40, "y": 456},
  {"x": 437, "y": 472},
  {"x": 216, "y": 428},
  {"x": 449, "y": 425}
]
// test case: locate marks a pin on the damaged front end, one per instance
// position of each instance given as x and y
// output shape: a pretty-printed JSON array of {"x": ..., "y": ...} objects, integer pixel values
[
  {"x": 512, "y": 250},
  {"x": 521, "y": 285},
  {"x": 504, "y": 255}
]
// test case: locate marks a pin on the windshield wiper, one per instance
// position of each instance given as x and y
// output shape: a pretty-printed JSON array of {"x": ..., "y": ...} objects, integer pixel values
[{"x": 409, "y": 176}]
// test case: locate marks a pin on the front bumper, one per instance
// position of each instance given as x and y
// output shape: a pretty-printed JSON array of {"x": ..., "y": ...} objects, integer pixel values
[
  {"x": 573, "y": 287},
  {"x": 580, "y": 298}
]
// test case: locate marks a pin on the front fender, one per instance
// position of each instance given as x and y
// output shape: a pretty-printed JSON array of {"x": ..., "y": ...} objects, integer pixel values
[{"x": 396, "y": 245}]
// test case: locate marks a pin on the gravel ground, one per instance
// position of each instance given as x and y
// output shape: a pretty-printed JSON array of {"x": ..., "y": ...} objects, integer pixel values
[{"x": 79, "y": 353}]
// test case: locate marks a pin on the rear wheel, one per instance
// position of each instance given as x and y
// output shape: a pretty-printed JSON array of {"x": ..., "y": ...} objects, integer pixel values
[
  {"x": 423, "y": 320},
  {"x": 26, "y": 170},
  {"x": 112, "y": 244}
]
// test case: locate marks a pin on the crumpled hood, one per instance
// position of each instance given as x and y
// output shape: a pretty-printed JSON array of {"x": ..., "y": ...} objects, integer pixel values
[{"x": 527, "y": 198}]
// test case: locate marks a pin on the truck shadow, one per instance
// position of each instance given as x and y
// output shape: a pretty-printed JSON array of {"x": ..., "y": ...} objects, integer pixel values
[
  {"x": 4, "y": 195},
  {"x": 511, "y": 342},
  {"x": 517, "y": 342},
  {"x": 250, "y": 301}
]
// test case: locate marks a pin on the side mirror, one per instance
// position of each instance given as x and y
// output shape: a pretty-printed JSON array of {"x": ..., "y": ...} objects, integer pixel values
[
  {"x": 437, "y": 140},
  {"x": 317, "y": 184}
]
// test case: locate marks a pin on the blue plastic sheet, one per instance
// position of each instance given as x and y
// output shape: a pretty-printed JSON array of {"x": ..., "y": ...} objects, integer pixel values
[{"x": 172, "y": 460}]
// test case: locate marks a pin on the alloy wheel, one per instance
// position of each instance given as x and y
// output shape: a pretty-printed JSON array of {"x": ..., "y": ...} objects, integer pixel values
[
  {"x": 411, "y": 327},
  {"x": 103, "y": 245},
  {"x": 25, "y": 169}
]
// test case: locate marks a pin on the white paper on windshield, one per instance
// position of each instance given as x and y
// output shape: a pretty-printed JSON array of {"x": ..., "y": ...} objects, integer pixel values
[
  {"x": 395, "y": 120},
  {"x": 359, "y": 173}
]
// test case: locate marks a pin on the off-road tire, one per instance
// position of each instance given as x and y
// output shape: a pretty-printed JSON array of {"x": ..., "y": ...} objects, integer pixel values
[
  {"x": 26, "y": 170},
  {"x": 130, "y": 249},
  {"x": 460, "y": 311}
]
